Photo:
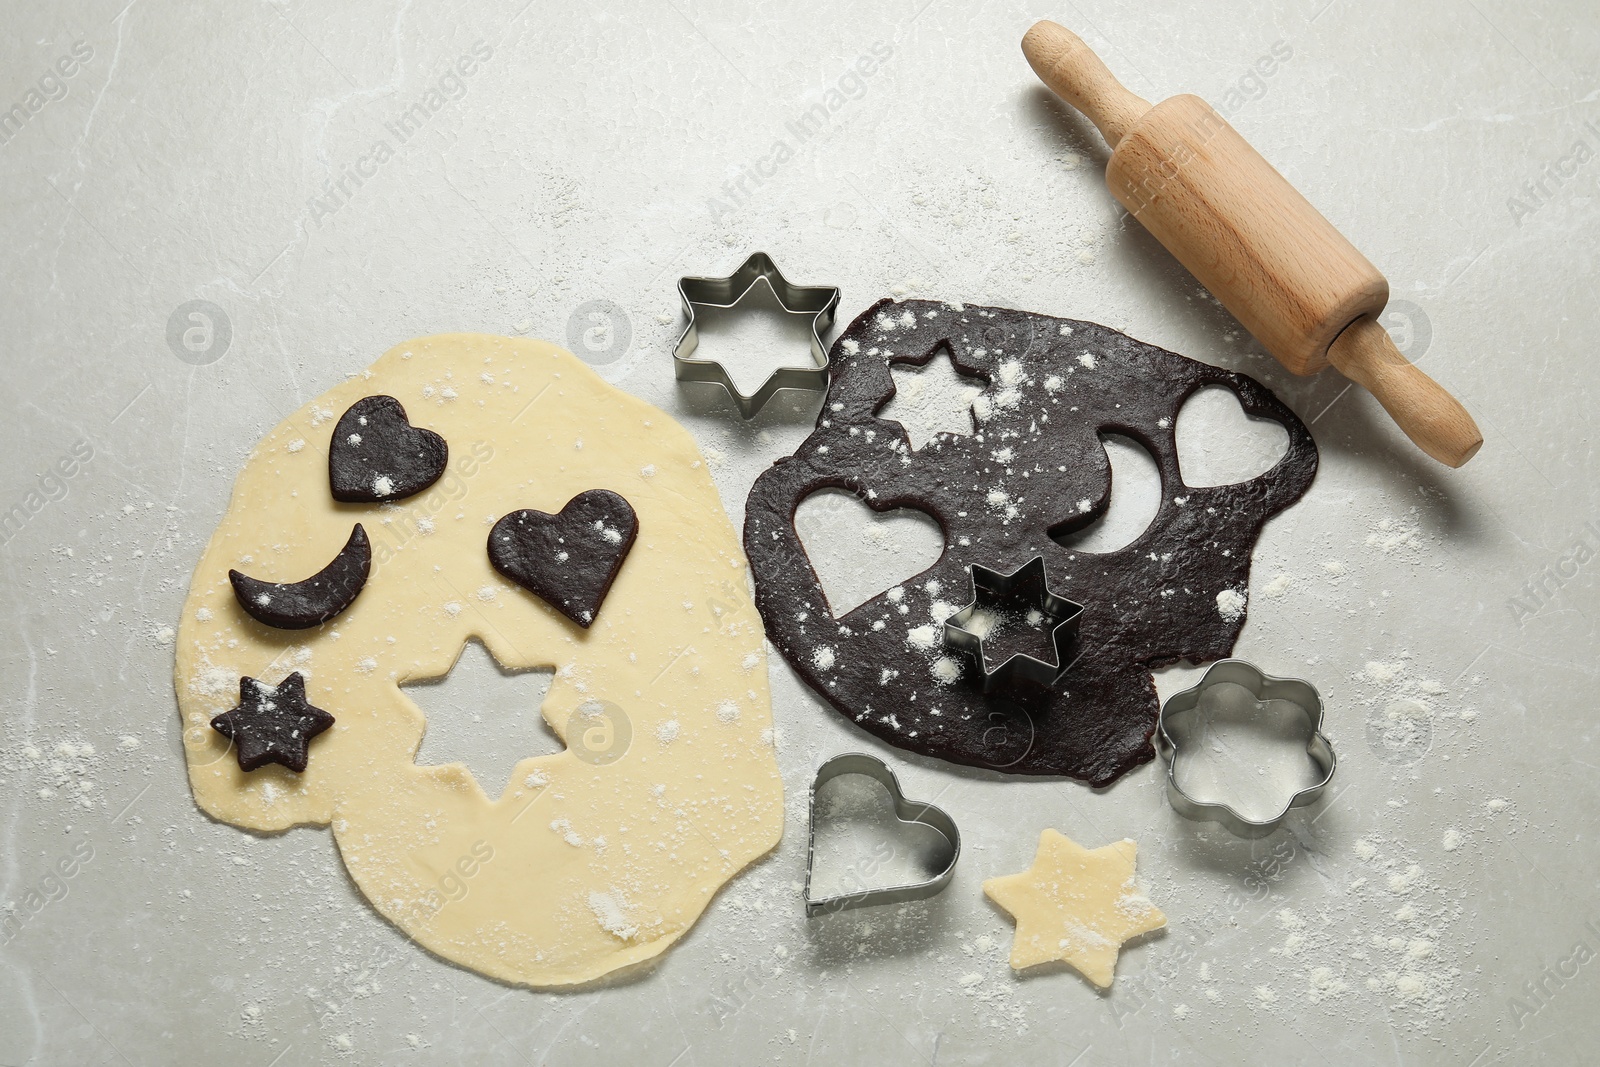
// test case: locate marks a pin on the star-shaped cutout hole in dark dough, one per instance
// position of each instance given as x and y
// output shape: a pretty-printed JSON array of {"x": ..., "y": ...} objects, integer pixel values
[
  {"x": 932, "y": 396},
  {"x": 272, "y": 725}
]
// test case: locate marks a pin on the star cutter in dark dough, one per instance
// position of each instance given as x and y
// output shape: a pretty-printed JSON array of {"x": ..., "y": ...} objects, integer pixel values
[
  {"x": 818, "y": 301},
  {"x": 272, "y": 724},
  {"x": 1171, "y": 734},
  {"x": 1025, "y": 587}
]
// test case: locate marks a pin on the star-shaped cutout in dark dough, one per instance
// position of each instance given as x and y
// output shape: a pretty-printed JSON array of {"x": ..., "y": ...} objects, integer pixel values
[{"x": 272, "y": 725}]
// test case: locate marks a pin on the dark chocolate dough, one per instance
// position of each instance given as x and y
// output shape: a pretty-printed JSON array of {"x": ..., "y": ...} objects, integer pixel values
[
  {"x": 272, "y": 725},
  {"x": 567, "y": 560},
  {"x": 1148, "y": 604},
  {"x": 301, "y": 605},
  {"x": 376, "y": 456}
]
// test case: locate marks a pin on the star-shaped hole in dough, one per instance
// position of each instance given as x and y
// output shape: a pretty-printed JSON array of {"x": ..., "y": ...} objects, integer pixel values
[
  {"x": 485, "y": 715},
  {"x": 933, "y": 398},
  {"x": 1075, "y": 905}
]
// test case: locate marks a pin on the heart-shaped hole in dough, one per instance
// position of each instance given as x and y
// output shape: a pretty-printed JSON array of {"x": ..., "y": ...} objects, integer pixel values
[
  {"x": 860, "y": 844},
  {"x": 1218, "y": 444},
  {"x": 857, "y": 552}
]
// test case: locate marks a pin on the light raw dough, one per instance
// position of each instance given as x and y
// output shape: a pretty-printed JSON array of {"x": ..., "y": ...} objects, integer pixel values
[
  {"x": 1075, "y": 905},
  {"x": 584, "y": 865}
]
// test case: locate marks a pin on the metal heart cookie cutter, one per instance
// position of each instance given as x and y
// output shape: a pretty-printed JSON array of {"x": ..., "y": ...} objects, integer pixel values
[
  {"x": 907, "y": 811},
  {"x": 818, "y": 301},
  {"x": 971, "y": 628},
  {"x": 1180, "y": 725}
]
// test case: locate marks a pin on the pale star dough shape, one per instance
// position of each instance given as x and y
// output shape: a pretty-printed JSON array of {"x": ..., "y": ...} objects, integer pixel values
[
  {"x": 579, "y": 868},
  {"x": 1075, "y": 905}
]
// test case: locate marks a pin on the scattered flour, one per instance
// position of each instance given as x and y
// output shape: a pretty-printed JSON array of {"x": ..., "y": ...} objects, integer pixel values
[{"x": 611, "y": 911}]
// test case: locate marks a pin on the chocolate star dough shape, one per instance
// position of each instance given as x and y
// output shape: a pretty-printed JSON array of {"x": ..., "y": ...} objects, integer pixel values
[
  {"x": 272, "y": 725},
  {"x": 1033, "y": 468}
]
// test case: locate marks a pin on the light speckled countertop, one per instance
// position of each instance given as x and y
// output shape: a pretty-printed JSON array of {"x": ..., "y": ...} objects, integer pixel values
[{"x": 1439, "y": 908}]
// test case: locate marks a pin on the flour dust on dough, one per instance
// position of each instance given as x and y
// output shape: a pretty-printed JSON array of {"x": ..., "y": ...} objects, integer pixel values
[{"x": 594, "y": 858}]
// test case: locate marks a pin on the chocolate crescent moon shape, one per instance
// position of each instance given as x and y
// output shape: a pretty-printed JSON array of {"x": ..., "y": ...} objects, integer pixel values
[{"x": 302, "y": 605}]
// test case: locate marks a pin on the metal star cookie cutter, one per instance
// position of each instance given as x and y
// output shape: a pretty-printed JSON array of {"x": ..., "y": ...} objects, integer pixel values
[
  {"x": 907, "y": 811},
  {"x": 966, "y": 629},
  {"x": 1174, "y": 728},
  {"x": 818, "y": 301}
]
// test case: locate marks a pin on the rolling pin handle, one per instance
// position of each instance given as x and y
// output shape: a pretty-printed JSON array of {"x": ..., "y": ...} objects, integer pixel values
[
  {"x": 1431, "y": 417},
  {"x": 1073, "y": 72}
]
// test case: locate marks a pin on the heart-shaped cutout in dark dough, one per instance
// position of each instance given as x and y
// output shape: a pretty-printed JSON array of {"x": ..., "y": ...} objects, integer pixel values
[
  {"x": 568, "y": 560},
  {"x": 858, "y": 552},
  {"x": 377, "y": 456}
]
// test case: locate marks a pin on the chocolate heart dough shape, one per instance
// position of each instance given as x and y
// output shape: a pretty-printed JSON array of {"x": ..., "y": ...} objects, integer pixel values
[
  {"x": 1034, "y": 466},
  {"x": 570, "y": 559},
  {"x": 377, "y": 456}
]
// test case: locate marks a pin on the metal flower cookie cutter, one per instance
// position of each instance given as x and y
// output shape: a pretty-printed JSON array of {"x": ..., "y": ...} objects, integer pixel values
[
  {"x": 1276, "y": 710},
  {"x": 818, "y": 301},
  {"x": 907, "y": 811}
]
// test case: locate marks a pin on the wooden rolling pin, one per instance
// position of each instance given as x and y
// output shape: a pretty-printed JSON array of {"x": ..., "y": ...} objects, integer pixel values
[{"x": 1292, "y": 279}]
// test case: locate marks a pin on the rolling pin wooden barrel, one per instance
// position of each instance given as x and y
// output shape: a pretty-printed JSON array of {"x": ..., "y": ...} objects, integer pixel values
[{"x": 1284, "y": 272}]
